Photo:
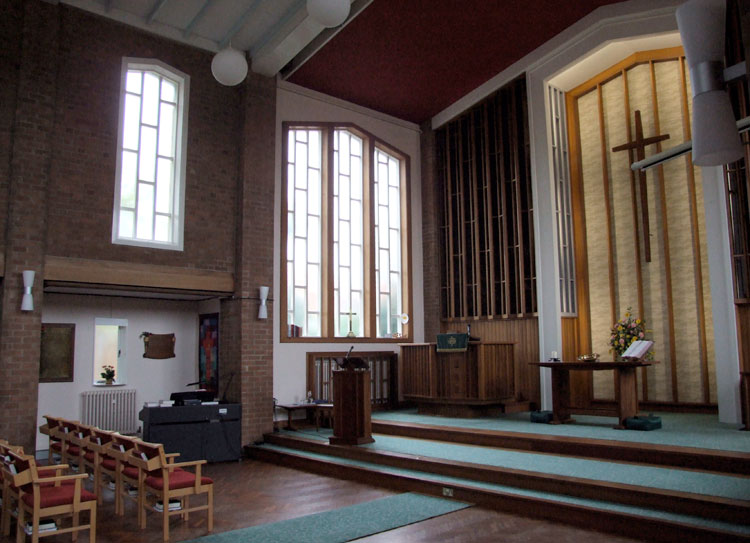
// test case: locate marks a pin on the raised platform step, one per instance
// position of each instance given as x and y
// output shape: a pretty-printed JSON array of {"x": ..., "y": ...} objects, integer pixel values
[
  {"x": 645, "y": 513},
  {"x": 732, "y": 462}
]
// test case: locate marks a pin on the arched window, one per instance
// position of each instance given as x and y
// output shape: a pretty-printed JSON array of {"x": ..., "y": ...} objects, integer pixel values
[{"x": 150, "y": 183}]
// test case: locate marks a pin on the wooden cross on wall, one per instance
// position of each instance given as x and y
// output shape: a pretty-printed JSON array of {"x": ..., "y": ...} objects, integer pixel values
[{"x": 640, "y": 151}]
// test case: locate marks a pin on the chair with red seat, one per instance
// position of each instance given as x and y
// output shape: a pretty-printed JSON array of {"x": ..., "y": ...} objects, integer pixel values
[
  {"x": 45, "y": 497},
  {"x": 99, "y": 459},
  {"x": 52, "y": 429},
  {"x": 68, "y": 433},
  {"x": 126, "y": 473},
  {"x": 163, "y": 481},
  {"x": 10, "y": 492}
]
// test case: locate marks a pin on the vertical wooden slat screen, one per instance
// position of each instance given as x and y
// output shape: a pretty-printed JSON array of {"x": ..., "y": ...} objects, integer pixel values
[
  {"x": 383, "y": 376},
  {"x": 488, "y": 267}
]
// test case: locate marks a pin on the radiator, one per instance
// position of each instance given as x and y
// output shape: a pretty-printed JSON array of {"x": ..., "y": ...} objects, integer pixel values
[{"x": 110, "y": 409}]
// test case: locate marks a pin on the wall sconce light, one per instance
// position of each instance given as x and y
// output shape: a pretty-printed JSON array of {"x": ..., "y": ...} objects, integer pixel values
[
  {"x": 715, "y": 138},
  {"x": 27, "y": 302},
  {"x": 263, "y": 309}
]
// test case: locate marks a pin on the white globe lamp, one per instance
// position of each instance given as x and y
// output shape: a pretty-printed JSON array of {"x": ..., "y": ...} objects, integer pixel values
[
  {"x": 329, "y": 13},
  {"x": 229, "y": 67}
]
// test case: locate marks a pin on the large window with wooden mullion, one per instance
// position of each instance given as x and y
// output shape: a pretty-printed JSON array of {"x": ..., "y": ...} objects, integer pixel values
[
  {"x": 737, "y": 175},
  {"x": 488, "y": 267},
  {"x": 345, "y": 225}
]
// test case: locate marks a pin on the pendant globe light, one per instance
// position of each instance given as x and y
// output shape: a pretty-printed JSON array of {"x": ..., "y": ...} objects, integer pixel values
[
  {"x": 329, "y": 13},
  {"x": 715, "y": 138},
  {"x": 229, "y": 66}
]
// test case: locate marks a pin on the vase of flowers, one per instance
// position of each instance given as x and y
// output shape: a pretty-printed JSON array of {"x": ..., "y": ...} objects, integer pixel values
[
  {"x": 626, "y": 331},
  {"x": 108, "y": 374}
]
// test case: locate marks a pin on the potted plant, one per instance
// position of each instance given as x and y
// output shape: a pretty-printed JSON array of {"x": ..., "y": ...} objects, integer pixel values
[{"x": 108, "y": 374}]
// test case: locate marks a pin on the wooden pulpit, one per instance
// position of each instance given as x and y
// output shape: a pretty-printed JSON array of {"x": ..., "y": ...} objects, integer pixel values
[{"x": 352, "y": 424}]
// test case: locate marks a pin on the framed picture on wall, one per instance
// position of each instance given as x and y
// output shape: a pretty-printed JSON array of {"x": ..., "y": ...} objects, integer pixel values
[
  {"x": 208, "y": 352},
  {"x": 56, "y": 357}
]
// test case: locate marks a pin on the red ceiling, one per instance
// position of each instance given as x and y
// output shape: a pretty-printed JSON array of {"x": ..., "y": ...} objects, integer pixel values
[{"x": 413, "y": 58}]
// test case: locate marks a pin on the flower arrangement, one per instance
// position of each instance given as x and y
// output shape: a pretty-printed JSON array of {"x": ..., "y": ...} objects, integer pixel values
[
  {"x": 626, "y": 331},
  {"x": 109, "y": 372}
]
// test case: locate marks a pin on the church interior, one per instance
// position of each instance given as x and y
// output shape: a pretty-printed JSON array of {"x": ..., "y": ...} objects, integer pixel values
[{"x": 481, "y": 269}]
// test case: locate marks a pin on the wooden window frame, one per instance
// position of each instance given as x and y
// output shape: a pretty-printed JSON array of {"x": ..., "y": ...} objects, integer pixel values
[{"x": 369, "y": 144}]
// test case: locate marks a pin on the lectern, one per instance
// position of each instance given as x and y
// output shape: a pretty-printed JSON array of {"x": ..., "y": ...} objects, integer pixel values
[{"x": 352, "y": 424}]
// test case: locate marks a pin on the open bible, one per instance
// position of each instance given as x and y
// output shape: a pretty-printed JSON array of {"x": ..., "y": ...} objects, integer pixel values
[{"x": 637, "y": 350}]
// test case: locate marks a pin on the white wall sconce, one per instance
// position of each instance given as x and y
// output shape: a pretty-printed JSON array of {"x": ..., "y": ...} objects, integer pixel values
[
  {"x": 263, "y": 308},
  {"x": 715, "y": 138},
  {"x": 328, "y": 13},
  {"x": 27, "y": 302},
  {"x": 229, "y": 66}
]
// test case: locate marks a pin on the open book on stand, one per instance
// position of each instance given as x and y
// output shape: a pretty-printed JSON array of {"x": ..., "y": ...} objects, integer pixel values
[{"x": 637, "y": 350}]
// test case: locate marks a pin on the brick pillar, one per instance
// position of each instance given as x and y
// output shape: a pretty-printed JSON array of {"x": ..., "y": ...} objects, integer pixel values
[
  {"x": 430, "y": 234},
  {"x": 30, "y": 157},
  {"x": 250, "y": 348}
]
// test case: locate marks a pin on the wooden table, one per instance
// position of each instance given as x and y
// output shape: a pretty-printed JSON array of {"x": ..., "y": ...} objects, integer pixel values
[
  {"x": 291, "y": 408},
  {"x": 320, "y": 411},
  {"x": 626, "y": 389}
]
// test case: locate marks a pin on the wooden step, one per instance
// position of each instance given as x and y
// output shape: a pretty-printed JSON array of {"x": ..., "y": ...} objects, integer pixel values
[
  {"x": 730, "y": 462},
  {"x": 598, "y": 518},
  {"x": 685, "y": 503}
]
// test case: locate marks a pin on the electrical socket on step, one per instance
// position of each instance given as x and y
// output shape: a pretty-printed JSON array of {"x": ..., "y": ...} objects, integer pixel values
[{"x": 447, "y": 492}]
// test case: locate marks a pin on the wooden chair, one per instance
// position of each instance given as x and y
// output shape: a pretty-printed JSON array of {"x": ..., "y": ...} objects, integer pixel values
[
  {"x": 5, "y": 483},
  {"x": 163, "y": 481},
  {"x": 99, "y": 458},
  {"x": 52, "y": 430},
  {"x": 43, "y": 497},
  {"x": 71, "y": 452},
  {"x": 126, "y": 473},
  {"x": 10, "y": 492}
]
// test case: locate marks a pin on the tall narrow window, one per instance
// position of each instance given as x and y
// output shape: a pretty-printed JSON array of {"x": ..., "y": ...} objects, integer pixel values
[
  {"x": 150, "y": 183},
  {"x": 345, "y": 233}
]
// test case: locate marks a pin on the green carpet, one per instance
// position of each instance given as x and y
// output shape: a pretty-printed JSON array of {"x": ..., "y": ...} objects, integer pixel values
[{"x": 343, "y": 524}]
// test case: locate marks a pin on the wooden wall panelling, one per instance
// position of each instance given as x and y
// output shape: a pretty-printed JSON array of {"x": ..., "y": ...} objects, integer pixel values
[
  {"x": 524, "y": 333},
  {"x": 419, "y": 370}
]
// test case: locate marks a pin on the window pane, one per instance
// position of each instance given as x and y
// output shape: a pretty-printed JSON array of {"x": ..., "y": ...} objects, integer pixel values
[
  {"x": 147, "y": 164},
  {"x": 166, "y": 130},
  {"x": 133, "y": 81},
  {"x": 301, "y": 166},
  {"x": 161, "y": 230},
  {"x": 127, "y": 224},
  {"x": 145, "y": 221},
  {"x": 131, "y": 125},
  {"x": 168, "y": 90},
  {"x": 357, "y": 268},
  {"x": 313, "y": 192},
  {"x": 128, "y": 179},
  {"x": 315, "y": 153},
  {"x": 300, "y": 262},
  {"x": 313, "y": 292},
  {"x": 313, "y": 239},
  {"x": 356, "y": 223},
  {"x": 150, "y": 113},
  {"x": 164, "y": 186},
  {"x": 301, "y": 223}
]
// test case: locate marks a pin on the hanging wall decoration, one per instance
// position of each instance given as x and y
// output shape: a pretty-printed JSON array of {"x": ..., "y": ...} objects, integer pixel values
[{"x": 158, "y": 345}]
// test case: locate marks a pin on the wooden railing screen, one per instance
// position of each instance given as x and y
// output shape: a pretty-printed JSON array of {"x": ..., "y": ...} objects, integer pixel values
[{"x": 383, "y": 376}]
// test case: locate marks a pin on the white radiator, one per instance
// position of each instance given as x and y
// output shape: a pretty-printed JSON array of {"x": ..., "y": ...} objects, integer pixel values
[{"x": 110, "y": 409}]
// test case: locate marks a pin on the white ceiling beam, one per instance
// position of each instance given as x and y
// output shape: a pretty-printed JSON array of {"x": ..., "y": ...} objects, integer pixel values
[
  {"x": 196, "y": 18},
  {"x": 238, "y": 24},
  {"x": 154, "y": 11}
]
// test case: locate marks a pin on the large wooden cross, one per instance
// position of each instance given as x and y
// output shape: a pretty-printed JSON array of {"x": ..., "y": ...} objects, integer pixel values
[{"x": 640, "y": 151}]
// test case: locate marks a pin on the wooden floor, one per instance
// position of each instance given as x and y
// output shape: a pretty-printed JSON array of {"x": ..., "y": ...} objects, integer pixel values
[{"x": 250, "y": 492}]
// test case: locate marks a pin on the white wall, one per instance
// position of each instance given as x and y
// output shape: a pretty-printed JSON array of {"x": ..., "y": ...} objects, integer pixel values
[
  {"x": 152, "y": 379},
  {"x": 294, "y": 103}
]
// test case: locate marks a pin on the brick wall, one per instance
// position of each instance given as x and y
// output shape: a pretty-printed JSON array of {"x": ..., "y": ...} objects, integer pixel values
[
  {"x": 30, "y": 156},
  {"x": 85, "y": 140},
  {"x": 58, "y": 167}
]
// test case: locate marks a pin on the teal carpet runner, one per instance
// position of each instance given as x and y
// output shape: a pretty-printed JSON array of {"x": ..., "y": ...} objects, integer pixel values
[{"x": 343, "y": 524}]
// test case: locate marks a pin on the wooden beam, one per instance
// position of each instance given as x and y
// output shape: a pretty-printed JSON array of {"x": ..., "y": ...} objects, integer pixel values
[{"x": 131, "y": 274}]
